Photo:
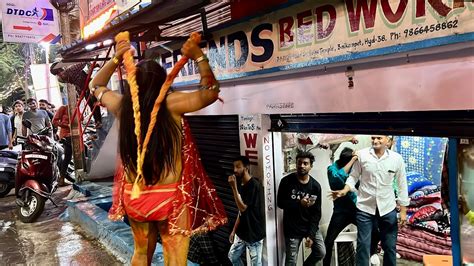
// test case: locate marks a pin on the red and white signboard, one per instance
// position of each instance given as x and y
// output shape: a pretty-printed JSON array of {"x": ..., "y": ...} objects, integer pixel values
[{"x": 29, "y": 21}]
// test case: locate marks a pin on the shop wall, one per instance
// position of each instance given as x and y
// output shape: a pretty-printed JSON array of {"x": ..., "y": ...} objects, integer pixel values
[
  {"x": 441, "y": 82},
  {"x": 406, "y": 56}
]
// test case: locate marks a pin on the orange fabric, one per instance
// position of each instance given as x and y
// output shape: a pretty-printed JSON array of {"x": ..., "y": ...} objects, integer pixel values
[
  {"x": 196, "y": 206},
  {"x": 153, "y": 204}
]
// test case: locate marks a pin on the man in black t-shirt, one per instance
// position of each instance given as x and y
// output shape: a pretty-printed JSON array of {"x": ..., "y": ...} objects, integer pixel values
[
  {"x": 299, "y": 195},
  {"x": 249, "y": 228}
]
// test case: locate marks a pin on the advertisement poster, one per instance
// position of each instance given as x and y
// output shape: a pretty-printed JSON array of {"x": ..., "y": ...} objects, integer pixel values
[{"x": 29, "y": 21}]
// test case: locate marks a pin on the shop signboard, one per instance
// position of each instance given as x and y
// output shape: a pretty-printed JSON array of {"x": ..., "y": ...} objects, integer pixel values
[
  {"x": 95, "y": 14},
  {"x": 97, "y": 6},
  {"x": 124, "y": 5},
  {"x": 29, "y": 21},
  {"x": 315, "y": 33}
]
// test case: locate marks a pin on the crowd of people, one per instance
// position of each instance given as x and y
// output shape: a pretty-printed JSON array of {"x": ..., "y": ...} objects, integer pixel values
[
  {"x": 41, "y": 114},
  {"x": 369, "y": 189},
  {"x": 13, "y": 131}
]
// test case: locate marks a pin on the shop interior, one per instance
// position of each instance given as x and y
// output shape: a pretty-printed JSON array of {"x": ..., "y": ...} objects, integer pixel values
[{"x": 426, "y": 159}]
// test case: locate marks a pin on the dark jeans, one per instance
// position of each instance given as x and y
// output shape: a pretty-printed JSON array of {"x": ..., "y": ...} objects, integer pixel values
[
  {"x": 388, "y": 229},
  {"x": 339, "y": 220},
  {"x": 91, "y": 103},
  {"x": 292, "y": 247},
  {"x": 67, "y": 145}
]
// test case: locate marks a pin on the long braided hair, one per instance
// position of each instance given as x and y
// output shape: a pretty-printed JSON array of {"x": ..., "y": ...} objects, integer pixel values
[
  {"x": 149, "y": 76},
  {"x": 143, "y": 140},
  {"x": 161, "y": 153}
]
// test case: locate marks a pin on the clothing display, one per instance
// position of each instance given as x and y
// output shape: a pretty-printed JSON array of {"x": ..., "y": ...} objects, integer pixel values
[
  {"x": 423, "y": 155},
  {"x": 428, "y": 230},
  {"x": 413, "y": 243}
]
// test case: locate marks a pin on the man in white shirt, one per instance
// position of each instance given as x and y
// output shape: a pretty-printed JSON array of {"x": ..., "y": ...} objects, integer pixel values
[
  {"x": 376, "y": 169},
  {"x": 16, "y": 122}
]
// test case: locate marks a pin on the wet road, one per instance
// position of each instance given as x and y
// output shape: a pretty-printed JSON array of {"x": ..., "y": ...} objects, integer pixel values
[{"x": 48, "y": 241}]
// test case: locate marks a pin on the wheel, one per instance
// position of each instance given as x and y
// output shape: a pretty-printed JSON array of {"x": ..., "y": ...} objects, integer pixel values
[
  {"x": 33, "y": 208},
  {"x": 4, "y": 189}
]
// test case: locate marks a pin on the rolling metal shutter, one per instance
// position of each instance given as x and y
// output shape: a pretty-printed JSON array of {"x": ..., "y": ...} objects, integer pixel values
[
  {"x": 426, "y": 123},
  {"x": 217, "y": 138}
]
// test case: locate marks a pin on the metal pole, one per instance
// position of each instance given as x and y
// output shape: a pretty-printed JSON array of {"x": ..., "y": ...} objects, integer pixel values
[
  {"x": 454, "y": 200},
  {"x": 71, "y": 95},
  {"x": 48, "y": 81}
]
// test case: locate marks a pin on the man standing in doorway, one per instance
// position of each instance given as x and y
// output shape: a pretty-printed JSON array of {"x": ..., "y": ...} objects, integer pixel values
[
  {"x": 249, "y": 228},
  {"x": 39, "y": 118},
  {"x": 376, "y": 169},
  {"x": 299, "y": 195}
]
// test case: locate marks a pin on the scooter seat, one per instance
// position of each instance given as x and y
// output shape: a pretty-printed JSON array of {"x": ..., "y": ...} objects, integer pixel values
[{"x": 9, "y": 154}]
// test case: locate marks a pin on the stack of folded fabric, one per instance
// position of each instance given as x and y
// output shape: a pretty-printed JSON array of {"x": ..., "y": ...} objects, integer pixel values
[{"x": 429, "y": 230}]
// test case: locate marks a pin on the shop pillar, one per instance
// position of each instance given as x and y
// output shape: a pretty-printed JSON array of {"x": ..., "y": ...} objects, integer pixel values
[{"x": 256, "y": 142}]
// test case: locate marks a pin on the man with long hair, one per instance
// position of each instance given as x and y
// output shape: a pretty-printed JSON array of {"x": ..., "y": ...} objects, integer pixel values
[{"x": 161, "y": 184}]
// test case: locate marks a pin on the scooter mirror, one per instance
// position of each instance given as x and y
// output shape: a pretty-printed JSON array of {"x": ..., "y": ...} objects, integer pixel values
[{"x": 26, "y": 123}]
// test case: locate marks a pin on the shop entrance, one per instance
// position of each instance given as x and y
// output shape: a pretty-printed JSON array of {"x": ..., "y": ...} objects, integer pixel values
[{"x": 428, "y": 143}]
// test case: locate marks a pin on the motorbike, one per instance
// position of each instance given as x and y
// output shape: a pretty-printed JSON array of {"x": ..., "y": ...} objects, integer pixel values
[
  {"x": 8, "y": 161},
  {"x": 37, "y": 174}
]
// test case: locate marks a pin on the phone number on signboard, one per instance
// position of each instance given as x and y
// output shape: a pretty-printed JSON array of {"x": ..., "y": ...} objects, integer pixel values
[{"x": 431, "y": 28}]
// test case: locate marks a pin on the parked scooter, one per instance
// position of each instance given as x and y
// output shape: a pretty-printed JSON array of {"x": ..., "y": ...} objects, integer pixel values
[
  {"x": 8, "y": 160},
  {"x": 37, "y": 174}
]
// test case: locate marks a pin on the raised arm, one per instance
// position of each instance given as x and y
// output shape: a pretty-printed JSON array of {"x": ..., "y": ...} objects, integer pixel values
[
  {"x": 98, "y": 85},
  {"x": 180, "y": 102}
]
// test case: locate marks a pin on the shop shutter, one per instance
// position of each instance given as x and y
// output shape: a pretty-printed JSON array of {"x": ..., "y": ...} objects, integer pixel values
[
  {"x": 217, "y": 138},
  {"x": 427, "y": 123}
]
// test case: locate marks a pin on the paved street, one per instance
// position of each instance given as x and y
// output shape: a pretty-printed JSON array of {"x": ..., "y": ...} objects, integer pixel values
[{"x": 48, "y": 241}]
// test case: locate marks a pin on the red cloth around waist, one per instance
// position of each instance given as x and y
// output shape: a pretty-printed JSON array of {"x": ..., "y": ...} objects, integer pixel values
[{"x": 153, "y": 204}]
